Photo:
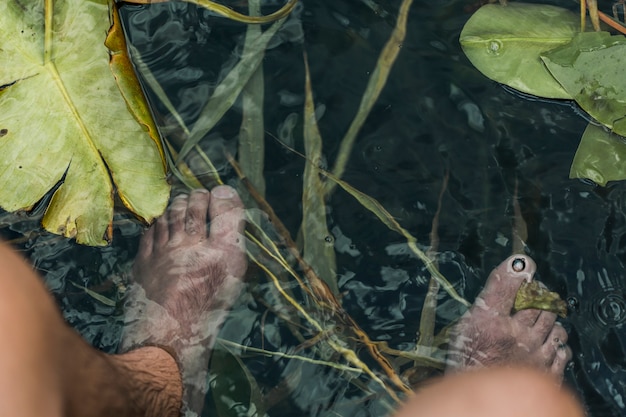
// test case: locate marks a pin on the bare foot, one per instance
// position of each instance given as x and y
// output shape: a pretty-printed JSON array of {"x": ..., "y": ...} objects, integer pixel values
[
  {"x": 185, "y": 279},
  {"x": 490, "y": 334}
]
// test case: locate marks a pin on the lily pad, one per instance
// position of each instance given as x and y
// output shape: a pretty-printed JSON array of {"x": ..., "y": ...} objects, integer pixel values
[
  {"x": 505, "y": 44},
  {"x": 64, "y": 124},
  {"x": 534, "y": 295},
  {"x": 590, "y": 69},
  {"x": 601, "y": 156}
]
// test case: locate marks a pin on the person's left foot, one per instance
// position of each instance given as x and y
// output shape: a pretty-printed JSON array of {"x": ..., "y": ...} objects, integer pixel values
[
  {"x": 185, "y": 280},
  {"x": 490, "y": 333}
]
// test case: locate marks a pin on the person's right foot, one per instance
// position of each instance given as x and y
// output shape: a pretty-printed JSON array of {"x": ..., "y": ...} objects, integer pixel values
[{"x": 491, "y": 334}]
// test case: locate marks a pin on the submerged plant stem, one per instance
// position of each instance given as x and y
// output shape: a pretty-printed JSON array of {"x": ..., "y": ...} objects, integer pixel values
[
  {"x": 230, "y": 13},
  {"x": 375, "y": 85}
]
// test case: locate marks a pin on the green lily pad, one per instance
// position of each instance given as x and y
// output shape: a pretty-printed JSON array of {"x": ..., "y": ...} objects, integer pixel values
[
  {"x": 590, "y": 69},
  {"x": 505, "y": 44},
  {"x": 601, "y": 156},
  {"x": 64, "y": 124},
  {"x": 533, "y": 295}
]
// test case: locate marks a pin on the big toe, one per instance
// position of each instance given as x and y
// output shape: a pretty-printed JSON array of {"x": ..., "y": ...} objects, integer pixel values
[
  {"x": 227, "y": 221},
  {"x": 503, "y": 283}
]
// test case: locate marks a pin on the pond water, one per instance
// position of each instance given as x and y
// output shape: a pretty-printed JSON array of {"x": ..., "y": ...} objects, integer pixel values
[{"x": 436, "y": 116}]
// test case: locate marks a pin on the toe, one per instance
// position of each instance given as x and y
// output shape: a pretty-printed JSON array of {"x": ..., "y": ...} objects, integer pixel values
[
  {"x": 528, "y": 318},
  {"x": 161, "y": 230},
  {"x": 562, "y": 358},
  {"x": 177, "y": 214},
  {"x": 504, "y": 281},
  {"x": 545, "y": 325},
  {"x": 227, "y": 224},
  {"x": 197, "y": 209},
  {"x": 146, "y": 243},
  {"x": 555, "y": 350}
]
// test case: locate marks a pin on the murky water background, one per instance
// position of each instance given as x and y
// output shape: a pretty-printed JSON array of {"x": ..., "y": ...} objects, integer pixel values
[{"x": 437, "y": 114}]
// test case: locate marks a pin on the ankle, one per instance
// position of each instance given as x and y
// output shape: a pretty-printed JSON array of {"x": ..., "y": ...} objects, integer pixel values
[{"x": 153, "y": 381}]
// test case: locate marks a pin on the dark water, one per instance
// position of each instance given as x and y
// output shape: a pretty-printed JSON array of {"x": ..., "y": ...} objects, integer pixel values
[{"x": 436, "y": 115}]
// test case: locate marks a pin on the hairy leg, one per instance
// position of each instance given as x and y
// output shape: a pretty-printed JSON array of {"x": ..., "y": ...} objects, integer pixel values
[
  {"x": 185, "y": 280},
  {"x": 46, "y": 369}
]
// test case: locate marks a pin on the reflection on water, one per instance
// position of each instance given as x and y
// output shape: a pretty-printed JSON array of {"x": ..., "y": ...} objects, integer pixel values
[{"x": 437, "y": 114}]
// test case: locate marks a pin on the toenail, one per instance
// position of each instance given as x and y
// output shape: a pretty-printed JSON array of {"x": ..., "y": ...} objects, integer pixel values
[
  {"x": 223, "y": 192},
  {"x": 518, "y": 265},
  {"x": 180, "y": 196}
]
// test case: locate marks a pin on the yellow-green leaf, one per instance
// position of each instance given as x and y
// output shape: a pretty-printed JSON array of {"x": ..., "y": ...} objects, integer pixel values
[
  {"x": 505, "y": 44},
  {"x": 601, "y": 156},
  {"x": 534, "y": 295},
  {"x": 65, "y": 124}
]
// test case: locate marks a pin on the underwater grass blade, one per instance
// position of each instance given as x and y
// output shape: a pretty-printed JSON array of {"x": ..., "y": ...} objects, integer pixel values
[
  {"x": 229, "y": 13},
  {"x": 180, "y": 171},
  {"x": 284, "y": 355},
  {"x": 323, "y": 294},
  {"x": 251, "y": 152},
  {"x": 336, "y": 345},
  {"x": 429, "y": 309},
  {"x": 318, "y": 287},
  {"x": 229, "y": 88},
  {"x": 387, "y": 219},
  {"x": 318, "y": 244},
  {"x": 520, "y": 228},
  {"x": 375, "y": 85},
  {"x": 155, "y": 86},
  {"x": 104, "y": 300}
]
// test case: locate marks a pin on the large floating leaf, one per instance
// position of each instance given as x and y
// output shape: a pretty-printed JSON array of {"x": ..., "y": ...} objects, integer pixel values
[
  {"x": 590, "y": 69},
  {"x": 601, "y": 156},
  {"x": 63, "y": 121},
  {"x": 505, "y": 43}
]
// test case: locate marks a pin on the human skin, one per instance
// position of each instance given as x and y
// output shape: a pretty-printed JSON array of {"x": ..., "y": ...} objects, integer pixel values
[
  {"x": 494, "y": 392},
  {"x": 490, "y": 333},
  {"x": 47, "y": 369}
]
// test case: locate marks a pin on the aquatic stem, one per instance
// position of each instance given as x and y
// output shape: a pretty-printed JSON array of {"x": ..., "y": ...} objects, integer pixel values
[
  {"x": 317, "y": 251},
  {"x": 429, "y": 310},
  {"x": 375, "y": 85},
  {"x": 321, "y": 291},
  {"x": 251, "y": 150},
  {"x": 230, "y": 13}
]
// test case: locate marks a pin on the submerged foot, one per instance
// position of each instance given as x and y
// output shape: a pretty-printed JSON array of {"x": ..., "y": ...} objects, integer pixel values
[
  {"x": 186, "y": 276},
  {"x": 491, "y": 334}
]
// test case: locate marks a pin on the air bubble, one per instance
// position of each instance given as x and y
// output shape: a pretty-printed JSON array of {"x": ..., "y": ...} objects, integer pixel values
[
  {"x": 573, "y": 303},
  {"x": 494, "y": 47}
]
